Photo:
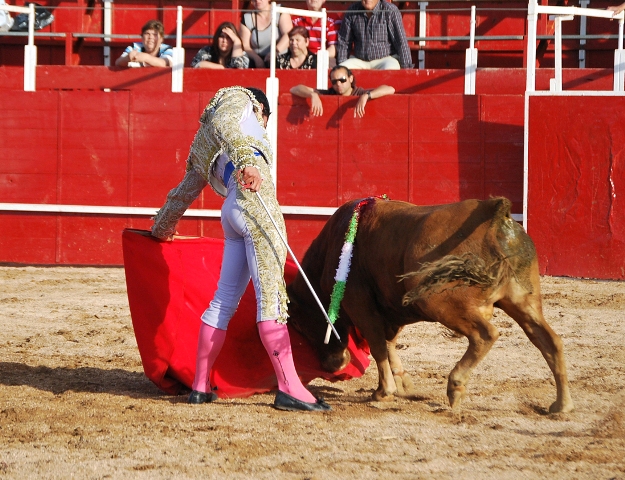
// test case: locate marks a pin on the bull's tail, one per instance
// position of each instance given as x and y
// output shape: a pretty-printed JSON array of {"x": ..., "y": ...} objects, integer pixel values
[
  {"x": 464, "y": 270},
  {"x": 467, "y": 269}
]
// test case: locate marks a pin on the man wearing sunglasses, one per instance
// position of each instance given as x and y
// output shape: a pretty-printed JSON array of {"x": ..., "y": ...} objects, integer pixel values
[{"x": 344, "y": 84}]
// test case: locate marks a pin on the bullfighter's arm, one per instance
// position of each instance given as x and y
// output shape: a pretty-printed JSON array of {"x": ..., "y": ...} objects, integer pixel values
[{"x": 178, "y": 200}]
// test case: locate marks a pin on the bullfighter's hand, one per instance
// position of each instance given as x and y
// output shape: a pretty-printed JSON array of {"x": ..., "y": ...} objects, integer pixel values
[
  {"x": 169, "y": 238},
  {"x": 360, "y": 106},
  {"x": 316, "y": 107},
  {"x": 251, "y": 179}
]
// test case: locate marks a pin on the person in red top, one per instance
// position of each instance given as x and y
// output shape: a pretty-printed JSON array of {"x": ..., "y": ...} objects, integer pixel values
[{"x": 313, "y": 25}]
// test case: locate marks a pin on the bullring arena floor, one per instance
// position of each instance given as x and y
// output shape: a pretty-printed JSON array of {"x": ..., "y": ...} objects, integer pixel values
[{"x": 74, "y": 401}]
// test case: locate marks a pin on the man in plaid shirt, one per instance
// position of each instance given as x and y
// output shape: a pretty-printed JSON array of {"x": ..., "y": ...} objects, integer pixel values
[{"x": 375, "y": 32}]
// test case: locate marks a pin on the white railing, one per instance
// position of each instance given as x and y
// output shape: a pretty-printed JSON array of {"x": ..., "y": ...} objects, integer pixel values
[
  {"x": 560, "y": 14},
  {"x": 470, "y": 64},
  {"x": 144, "y": 211}
]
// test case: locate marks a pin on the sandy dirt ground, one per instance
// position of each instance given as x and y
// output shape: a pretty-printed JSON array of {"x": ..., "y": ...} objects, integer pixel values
[{"x": 74, "y": 401}]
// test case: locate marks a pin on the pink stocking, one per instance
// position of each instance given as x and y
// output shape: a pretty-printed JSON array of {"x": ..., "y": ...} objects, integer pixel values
[
  {"x": 208, "y": 347},
  {"x": 275, "y": 338}
]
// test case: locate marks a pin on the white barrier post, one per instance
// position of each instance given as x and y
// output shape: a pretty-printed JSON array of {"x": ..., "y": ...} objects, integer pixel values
[
  {"x": 556, "y": 84},
  {"x": 422, "y": 33},
  {"x": 532, "y": 18},
  {"x": 323, "y": 59},
  {"x": 30, "y": 53},
  {"x": 273, "y": 89},
  {"x": 619, "y": 60},
  {"x": 272, "y": 85},
  {"x": 582, "y": 31},
  {"x": 108, "y": 30},
  {"x": 470, "y": 64},
  {"x": 177, "y": 68}
]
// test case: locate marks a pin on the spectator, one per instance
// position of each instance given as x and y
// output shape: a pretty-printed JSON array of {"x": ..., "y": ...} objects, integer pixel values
[
  {"x": 225, "y": 52},
  {"x": 298, "y": 56},
  {"x": 256, "y": 33},
  {"x": 617, "y": 8},
  {"x": 376, "y": 35},
  {"x": 151, "y": 52},
  {"x": 313, "y": 25},
  {"x": 6, "y": 21},
  {"x": 343, "y": 83}
]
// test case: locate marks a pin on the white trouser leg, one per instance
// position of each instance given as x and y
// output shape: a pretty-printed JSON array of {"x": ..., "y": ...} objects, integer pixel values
[{"x": 239, "y": 263}]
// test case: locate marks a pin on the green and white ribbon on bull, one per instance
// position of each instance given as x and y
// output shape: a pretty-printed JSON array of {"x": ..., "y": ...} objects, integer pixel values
[
  {"x": 301, "y": 270},
  {"x": 345, "y": 261}
]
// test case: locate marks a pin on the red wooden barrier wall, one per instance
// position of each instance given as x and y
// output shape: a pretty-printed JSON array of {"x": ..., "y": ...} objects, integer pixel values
[
  {"x": 128, "y": 149},
  {"x": 576, "y": 209},
  {"x": 64, "y": 145}
]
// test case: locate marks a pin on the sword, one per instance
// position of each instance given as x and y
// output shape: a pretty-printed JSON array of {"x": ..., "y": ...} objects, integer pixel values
[{"x": 299, "y": 267}]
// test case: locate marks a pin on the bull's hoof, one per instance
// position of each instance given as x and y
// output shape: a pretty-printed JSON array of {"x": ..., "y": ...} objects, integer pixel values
[
  {"x": 456, "y": 395},
  {"x": 404, "y": 384},
  {"x": 561, "y": 407},
  {"x": 381, "y": 396}
]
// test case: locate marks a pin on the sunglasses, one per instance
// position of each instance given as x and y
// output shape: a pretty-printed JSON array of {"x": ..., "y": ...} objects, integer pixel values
[{"x": 337, "y": 80}]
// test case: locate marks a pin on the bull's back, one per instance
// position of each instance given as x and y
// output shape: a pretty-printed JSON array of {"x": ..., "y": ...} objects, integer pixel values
[
  {"x": 395, "y": 238},
  {"x": 401, "y": 235}
]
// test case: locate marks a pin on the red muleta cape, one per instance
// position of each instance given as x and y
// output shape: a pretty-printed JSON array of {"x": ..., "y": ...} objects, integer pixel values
[{"x": 170, "y": 284}]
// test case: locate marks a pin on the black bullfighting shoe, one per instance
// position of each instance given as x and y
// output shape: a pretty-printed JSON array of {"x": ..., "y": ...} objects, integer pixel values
[
  {"x": 200, "y": 397},
  {"x": 284, "y": 401}
]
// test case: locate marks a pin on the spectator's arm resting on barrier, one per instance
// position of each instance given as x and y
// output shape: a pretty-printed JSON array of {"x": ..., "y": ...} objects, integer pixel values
[
  {"x": 378, "y": 92},
  {"x": 148, "y": 60},
  {"x": 617, "y": 8},
  {"x": 306, "y": 92}
]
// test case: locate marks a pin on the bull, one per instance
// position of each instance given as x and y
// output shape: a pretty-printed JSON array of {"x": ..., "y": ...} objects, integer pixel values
[{"x": 451, "y": 264}]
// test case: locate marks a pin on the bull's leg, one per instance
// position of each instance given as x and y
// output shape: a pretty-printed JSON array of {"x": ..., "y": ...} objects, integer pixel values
[
  {"x": 403, "y": 382},
  {"x": 527, "y": 310},
  {"x": 481, "y": 335},
  {"x": 452, "y": 310},
  {"x": 361, "y": 309}
]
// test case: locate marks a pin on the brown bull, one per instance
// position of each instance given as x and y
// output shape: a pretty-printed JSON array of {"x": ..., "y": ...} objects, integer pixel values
[{"x": 451, "y": 264}]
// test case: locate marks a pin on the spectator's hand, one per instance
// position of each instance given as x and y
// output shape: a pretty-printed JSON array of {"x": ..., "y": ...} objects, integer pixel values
[
  {"x": 360, "y": 106},
  {"x": 135, "y": 56},
  {"x": 316, "y": 107},
  {"x": 237, "y": 45},
  {"x": 617, "y": 8},
  {"x": 233, "y": 36},
  {"x": 132, "y": 56},
  {"x": 250, "y": 179}
]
